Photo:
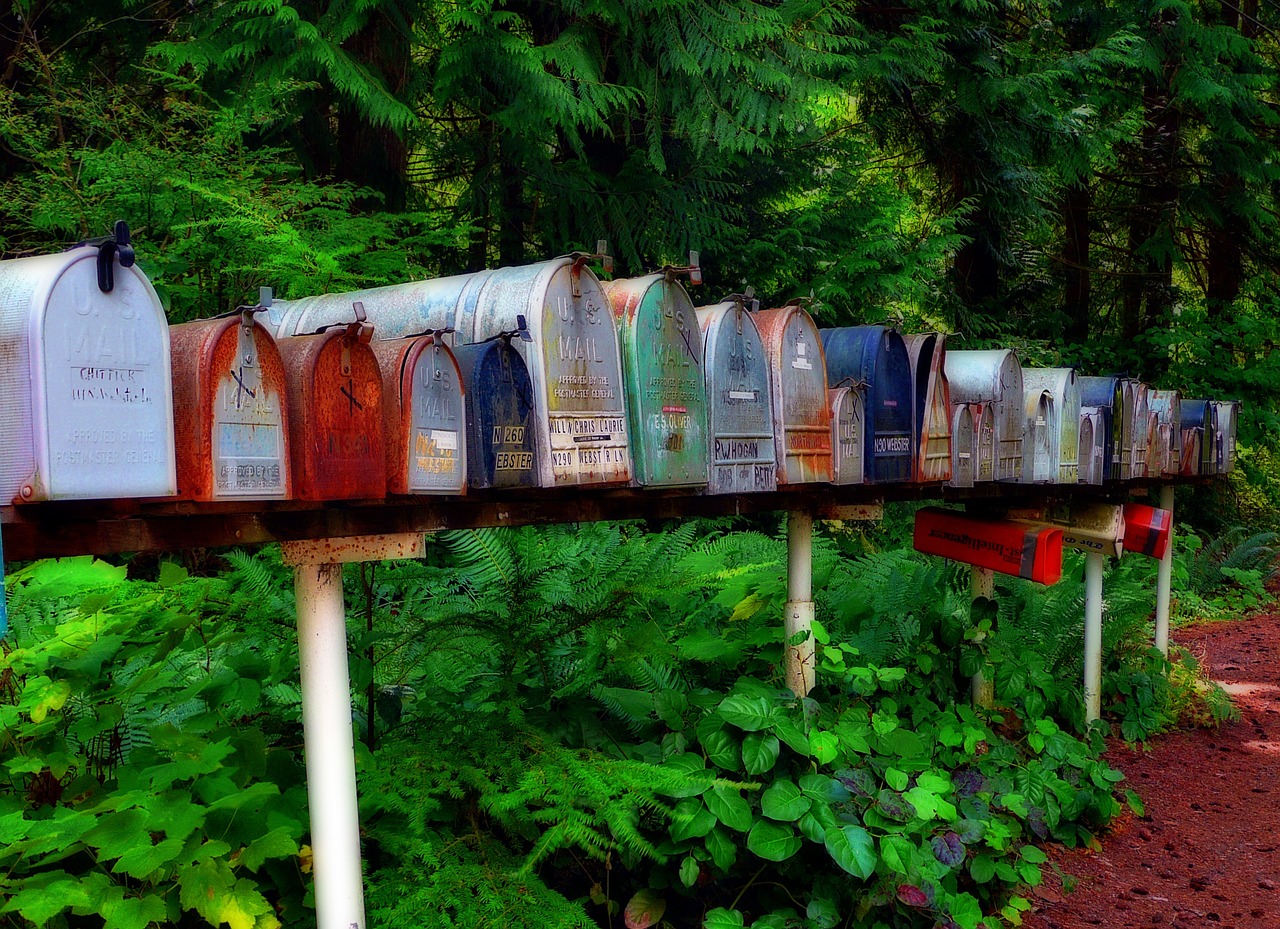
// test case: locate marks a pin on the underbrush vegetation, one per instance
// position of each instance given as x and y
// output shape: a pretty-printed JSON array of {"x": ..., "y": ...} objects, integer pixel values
[{"x": 578, "y": 727}]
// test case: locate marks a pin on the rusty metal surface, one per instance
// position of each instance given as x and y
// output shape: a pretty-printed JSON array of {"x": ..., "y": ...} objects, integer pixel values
[
  {"x": 1064, "y": 386},
  {"x": 335, "y": 416},
  {"x": 1134, "y": 431},
  {"x": 1039, "y": 466},
  {"x": 994, "y": 379},
  {"x": 964, "y": 446},
  {"x": 848, "y": 434},
  {"x": 739, "y": 401},
  {"x": 662, "y": 360},
  {"x": 396, "y": 311},
  {"x": 1167, "y": 405},
  {"x": 231, "y": 424},
  {"x": 798, "y": 380},
  {"x": 423, "y": 416},
  {"x": 932, "y": 403},
  {"x": 1226, "y": 422},
  {"x": 383, "y": 547}
]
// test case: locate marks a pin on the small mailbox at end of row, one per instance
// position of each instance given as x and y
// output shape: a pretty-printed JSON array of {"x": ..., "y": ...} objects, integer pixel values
[
  {"x": 335, "y": 413},
  {"x": 85, "y": 380},
  {"x": 1033, "y": 552},
  {"x": 231, "y": 416},
  {"x": 739, "y": 399},
  {"x": 798, "y": 380}
]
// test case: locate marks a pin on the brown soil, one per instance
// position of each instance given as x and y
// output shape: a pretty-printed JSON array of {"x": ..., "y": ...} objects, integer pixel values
[{"x": 1207, "y": 851}]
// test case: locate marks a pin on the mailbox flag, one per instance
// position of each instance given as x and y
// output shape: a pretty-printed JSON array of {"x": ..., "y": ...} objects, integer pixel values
[
  {"x": 1146, "y": 529},
  {"x": 1031, "y": 552}
]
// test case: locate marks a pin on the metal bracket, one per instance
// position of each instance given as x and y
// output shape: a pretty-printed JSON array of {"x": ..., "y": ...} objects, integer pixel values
[
  {"x": 694, "y": 270},
  {"x": 111, "y": 248},
  {"x": 580, "y": 260},
  {"x": 386, "y": 547}
]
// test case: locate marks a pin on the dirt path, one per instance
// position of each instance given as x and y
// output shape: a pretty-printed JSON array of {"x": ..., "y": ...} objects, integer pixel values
[{"x": 1207, "y": 853}]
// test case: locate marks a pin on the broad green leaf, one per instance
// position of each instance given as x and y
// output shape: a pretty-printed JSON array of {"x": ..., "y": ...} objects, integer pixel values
[
  {"x": 898, "y": 853},
  {"x": 723, "y": 850},
  {"x": 123, "y": 912},
  {"x": 852, "y": 848},
  {"x": 750, "y": 714},
  {"x": 965, "y": 911},
  {"x": 1033, "y": 854},
  {"x": 278, "y": 843},
  {"x": 791, "y": 735},
  {"x": 720, "y": 918},
  {"x": 689, "y": 871},
  {"x": 896, "y": 779},
  {"x": 202, "y": 886},
  {"x": 983, "y": 868},
  {"x": 118, "y": 833},
  {"x": 823, "y": 789},
  {"x": 242, "y": 907},
  {"x": 171, "y": 574},
  {"x": 692, "y": 820},
  {"x": 812, "y": 829},
  {"x": 825, "y": 746},
  {"x": 723, "y": 750},
  {"x": 144, "y": 858},
  {"x": 784, "y": 802},
  {"x": 773, "y": 841},
  {"x": 760, "y": 752},
  {"x": 823, "y": 912},
  {"x": 729, "y": 807},
  {"x": 644, "y": 909}
]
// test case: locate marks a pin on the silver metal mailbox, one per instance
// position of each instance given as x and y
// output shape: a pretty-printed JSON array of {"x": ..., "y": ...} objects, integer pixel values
[
  {"x": 1093, "y": 465},
  {"x": 848, "y": 434},
  {"x": 739, "y": 399},
  {"x": 801, "y": 414},
  {"x": 1167, "y": 406},
  {"x": 1226, "y": 424},
  {"x": 1134, "y": 429},
  {"x": 993, "y": 378},
  {"x": 84, "y": 378},
  {"x": 1039, "y": 466},
  {"x": 1063, "y": 385},
  {"x": 964, "y": 445},
  {"x": 931, "y": 400},
  {"x": 424, "y": 415}
]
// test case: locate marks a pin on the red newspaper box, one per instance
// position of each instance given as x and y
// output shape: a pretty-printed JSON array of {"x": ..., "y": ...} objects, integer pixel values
[{"x": 1019, "y": 549}]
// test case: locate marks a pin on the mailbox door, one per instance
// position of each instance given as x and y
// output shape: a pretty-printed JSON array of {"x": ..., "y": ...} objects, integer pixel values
[
  {"x": 986, "y": 443},
  {"x": 877, "y": 358},
  {"x": 1191, "y": 439},
  {"x": 932, "y": 405},
  {"x": 501, "y": 445},
  {"x": 1040, "y": 467},
  {"x": 101, "y": 391},
  {"x": 801, "y": 414},
  {"x": 847, "y": 426},
  {"x": 1010, "y": 416},
  {"x": 666, "y": 393},
  {"x": 424, "y": 419},
  {"x": 740, "y": 402},
  {"x": 962, "y": 446}
]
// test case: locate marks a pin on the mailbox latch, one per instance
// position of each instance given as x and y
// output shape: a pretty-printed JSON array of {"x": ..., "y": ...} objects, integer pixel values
[
  {"x": 580, "y": 260},
  {"x": 111, "y": 248},
  {"x": 693, "y": 269}
]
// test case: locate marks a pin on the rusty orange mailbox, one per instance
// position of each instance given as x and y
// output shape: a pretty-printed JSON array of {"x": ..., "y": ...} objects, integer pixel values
[
  {"x": 801, "y": 411},
  {"x": 1031, "y": 552},
  {"x": 231, "y": 422},
  {"x": 335, "y": 405},
  {"x": 423, "y": 415}
]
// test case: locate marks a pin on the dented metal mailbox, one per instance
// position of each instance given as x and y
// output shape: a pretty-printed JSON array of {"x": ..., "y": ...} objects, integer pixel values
[
  {"x": 501, "y": 451},
  {"x": 1106, "y": 395},
  {"x": 964, "y": 444},
  {"x": 335, "y": 414},
  {"x": 1039, "y": 466},
  {"x": 848, "y": 434},
  {"x": 1092, "y": 457},
  {"x": 666, "y": 392},
  {"x": 798, "y": 382},
  {"x": 1199, "y": 429},
  {"x": 1135, "y": 429},
  {"x": 739, "y": 399},
  {"x": 84, "y": 378},
  {"x": 424, "y": 419},
  {"x": 877, "y": 358},
  {"x": 1096, "y": 528},
  {"x": 1033, "y": 552},
  {"x": 1064, "y": 387},
  {"x": 231, "y": 419},
  {"x": 993, "y": 378},
  {"x": 1226, "y": 423},
  {"x": 1167, "y": 406},
  {"x": 931, "y": 401}
]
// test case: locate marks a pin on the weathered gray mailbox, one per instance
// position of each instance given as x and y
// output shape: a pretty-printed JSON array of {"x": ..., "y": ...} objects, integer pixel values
[
  {"x": 1064, "y": 387},
  {"x": 994, "y": 379},
  {"x": 84, "y": 378},
  {"x": 931, "y": 400},
  {"x": 801, "y": 411},
  {"x": 964, "y": 444},
  {"x": 739, "y": 399},
  {"x": 666, "y": 393},
  {"x": 848, "y": 434},
  {"x": 424, "y": 418},
  {"x": 1167, "y": 406},
  {"x": 1226, "y": 423},
  {"x": 1134, "y": 429},
  {"x": 1039, "y": 466},
  {"x": 1093, "y": 465},
  {"x": 231, "y": 419}
]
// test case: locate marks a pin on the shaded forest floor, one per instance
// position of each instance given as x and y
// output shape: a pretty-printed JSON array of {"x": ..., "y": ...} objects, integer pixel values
[{"x": 1207, "y": 850}]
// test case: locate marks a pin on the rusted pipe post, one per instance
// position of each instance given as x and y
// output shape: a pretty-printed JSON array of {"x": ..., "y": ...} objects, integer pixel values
[
  {"x": 798, "y": 658},
  {"x": 982, "y": 584},
  {"x": 1092, "y": 637},
  {"x": 1164, "y": 577},
  {"x": 330, "y": 747}
]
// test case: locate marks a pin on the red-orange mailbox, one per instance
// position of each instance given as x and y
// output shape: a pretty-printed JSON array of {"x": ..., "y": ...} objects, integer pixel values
[
  {"x": 1031, "y": 552},
  {"x": 1146, "y": 530},
  {"x": 335, "y": 421},
  {"x": 231, "y": 421}
]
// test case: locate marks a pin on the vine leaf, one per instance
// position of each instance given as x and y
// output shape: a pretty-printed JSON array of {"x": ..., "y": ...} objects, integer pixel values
[{"x": 644, "y": 909}]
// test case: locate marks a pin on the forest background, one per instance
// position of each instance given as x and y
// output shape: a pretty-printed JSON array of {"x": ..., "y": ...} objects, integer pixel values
[{"x": 1092, "y": 183}]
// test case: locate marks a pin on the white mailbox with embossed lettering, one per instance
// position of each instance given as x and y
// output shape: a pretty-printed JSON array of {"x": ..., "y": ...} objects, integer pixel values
[{"x": 84, "y": 378}]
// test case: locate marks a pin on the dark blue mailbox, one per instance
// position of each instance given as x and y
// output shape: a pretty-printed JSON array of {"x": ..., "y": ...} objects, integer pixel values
[
  {"x": 877, "y": 357},
  {"x": 501, "y": 448},
  {"x": 1199, "y": 429},
  {"x": 1106, "y": 395}
]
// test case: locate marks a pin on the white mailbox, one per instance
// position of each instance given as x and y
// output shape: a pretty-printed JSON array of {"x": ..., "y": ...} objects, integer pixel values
[{"x": 84, "y": 378}]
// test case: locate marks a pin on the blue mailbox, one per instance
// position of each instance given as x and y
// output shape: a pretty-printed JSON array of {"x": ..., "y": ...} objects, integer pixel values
[
  {"x": 1106, "y": 395},
  {"x": 501, "y": 448},
  {"x": 876, "y": 357}
]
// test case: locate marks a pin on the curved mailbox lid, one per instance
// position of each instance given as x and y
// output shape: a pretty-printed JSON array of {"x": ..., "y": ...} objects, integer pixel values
[
  {"x": 963, "y": 446},
  {"x": 1064, "y": 386},
  {"x": 877, "y": 358},
  {"x": 1092, "y": 455},
  {"x": 739, "y": 400},
  {"x": 574, "y": 364},
  {"x": 335, "y": 414},
  {"x": 932, "y": 403},
  {"x": 1167, "y": 405},
  {"x": 1106, "y": 394},
  {"x": 666, "y": 392},
  {"x": 848, "y": 440},
  {"x": 396, "y": 311},
  {"x": 798, "y": 378},
  {"x": 231, "y": 424},
  {"x": 501, "y": 446},
  {"x": 84, "y": 381},
  {"x": 993, "y": 377},
  {"x": 1038, "y": 463},
  {"x": 423, "y": 414}
]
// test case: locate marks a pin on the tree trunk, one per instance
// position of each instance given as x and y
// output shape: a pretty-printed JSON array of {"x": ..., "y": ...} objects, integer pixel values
[{"x": 1076, "y": 206}]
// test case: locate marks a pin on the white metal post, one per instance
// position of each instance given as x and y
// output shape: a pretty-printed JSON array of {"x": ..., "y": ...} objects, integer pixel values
[
  {"x": 1092, "y": 637},
  {"x": 799, "y": 658},
  {"x": 982, "y": 584},
  {"x": 330, "y": 747},
  {"x": 1164, "y": 577}
]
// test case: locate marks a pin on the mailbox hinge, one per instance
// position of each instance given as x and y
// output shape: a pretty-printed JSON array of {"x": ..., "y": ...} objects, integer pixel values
[
  {"x": 693, "y": 269},
  {"x": 580, "y": 260}
]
